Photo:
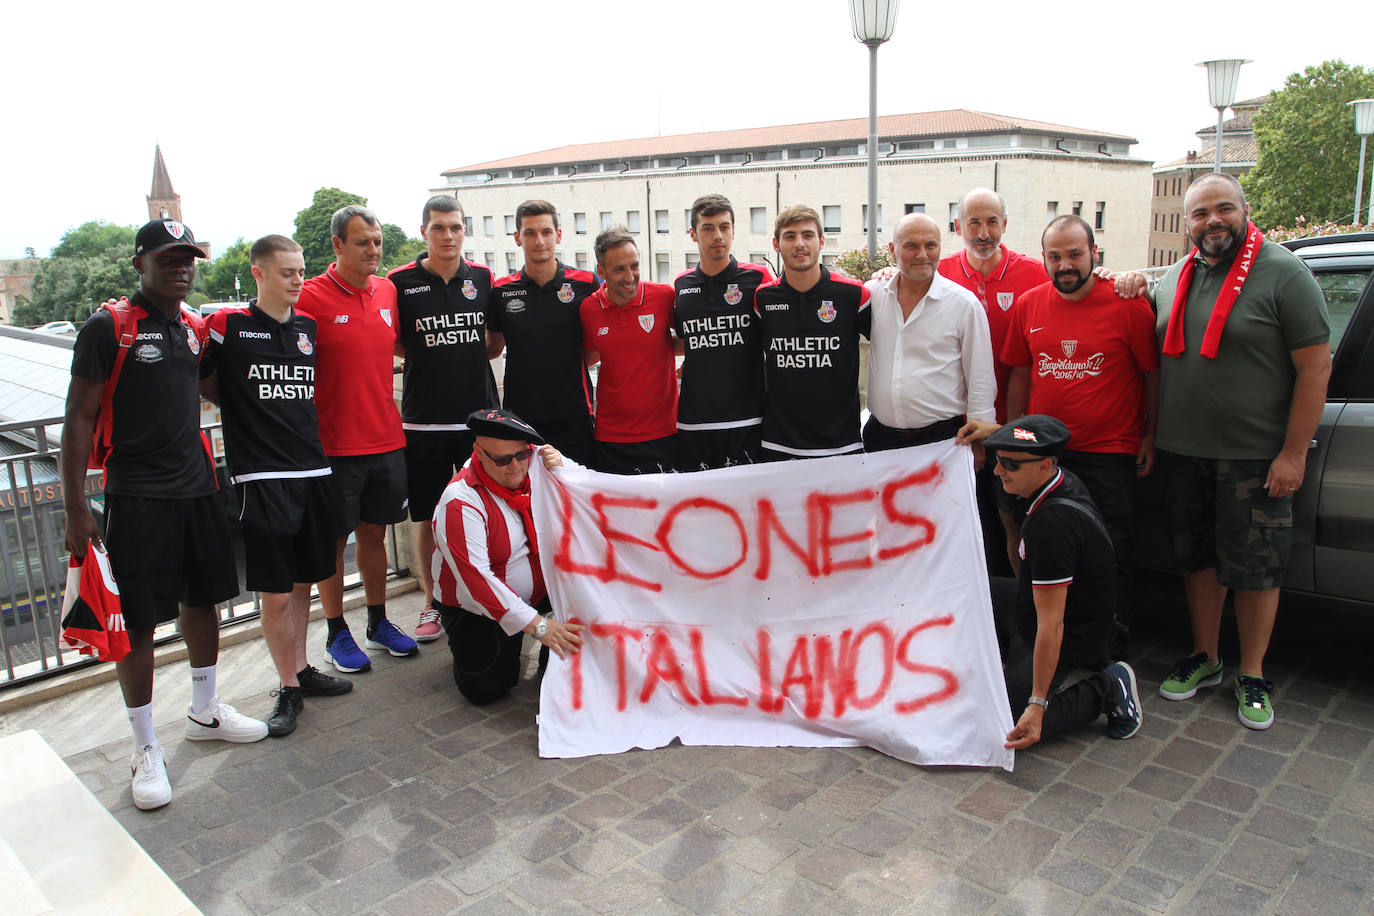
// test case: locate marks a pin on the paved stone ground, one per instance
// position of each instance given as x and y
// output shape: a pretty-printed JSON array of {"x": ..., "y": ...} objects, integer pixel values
[{"x": 402, "y": 799}]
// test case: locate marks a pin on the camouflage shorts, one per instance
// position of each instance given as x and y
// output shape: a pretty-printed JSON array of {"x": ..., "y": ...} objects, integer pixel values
[{"x": 1221, "y": 516}]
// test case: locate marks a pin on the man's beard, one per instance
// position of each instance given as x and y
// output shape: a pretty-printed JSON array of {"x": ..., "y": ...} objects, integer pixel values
[
  {"x": 1211, "y": 249},
  {"x": 1070, "y": 282}
]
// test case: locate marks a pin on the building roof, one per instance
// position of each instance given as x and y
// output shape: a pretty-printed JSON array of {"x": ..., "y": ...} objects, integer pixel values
[
  {"x": 1242, "y": 121},
  {"x": 1238, "y": 151},
  {"x": 35, "y": 370},
  {"x": 957, "y": 121},
  {"x": 162, "y": 182}
]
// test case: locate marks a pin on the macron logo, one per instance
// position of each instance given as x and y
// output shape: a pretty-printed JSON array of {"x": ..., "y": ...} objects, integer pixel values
[
  {"x": 255, "y": 335},
  {"x": 776, "y": 307}
]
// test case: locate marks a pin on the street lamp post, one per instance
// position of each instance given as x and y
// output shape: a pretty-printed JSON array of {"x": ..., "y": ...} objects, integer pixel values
[
  {"x": 873, "y": 22},
  {"x": 1222, "y": 79},
  {"x": 1364, "y": 126}
]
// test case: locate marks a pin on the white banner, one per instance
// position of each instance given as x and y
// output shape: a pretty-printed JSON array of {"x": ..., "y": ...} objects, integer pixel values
[{"x": 832, "y": 602}]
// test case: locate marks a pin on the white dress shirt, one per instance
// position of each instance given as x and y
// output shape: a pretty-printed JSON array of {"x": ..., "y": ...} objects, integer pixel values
[{"x": 932, "y": 365}]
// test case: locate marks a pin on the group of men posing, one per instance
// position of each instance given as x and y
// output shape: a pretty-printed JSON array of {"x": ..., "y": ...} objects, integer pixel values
[{"x": 1047, "y": 364}]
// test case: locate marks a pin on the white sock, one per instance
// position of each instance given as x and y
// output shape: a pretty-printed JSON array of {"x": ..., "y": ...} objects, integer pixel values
[
  {"x": 141, "y": 721},
  {"x": 202, "y": 687}
]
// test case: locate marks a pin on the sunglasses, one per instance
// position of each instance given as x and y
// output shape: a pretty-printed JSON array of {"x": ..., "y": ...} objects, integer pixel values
[
  {"x": 504, "y": 460},
  {"x": 1013, "y": 464}
]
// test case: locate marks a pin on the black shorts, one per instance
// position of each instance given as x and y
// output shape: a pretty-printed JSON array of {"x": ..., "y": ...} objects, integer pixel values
[
  {"x": 652, "y": 457},
  {"x": 166, "y": 552},
  {"x": 571, "y": 437},
  {"x": 704, "y": 449},
  {"x": 290, "y": 533},
  {"x": 432, "y": 458},
  {"x": 369, "y": 488}
]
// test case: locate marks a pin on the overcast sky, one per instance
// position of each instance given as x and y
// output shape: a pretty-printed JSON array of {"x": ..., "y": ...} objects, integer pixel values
[{"x": 257, "y": 104}]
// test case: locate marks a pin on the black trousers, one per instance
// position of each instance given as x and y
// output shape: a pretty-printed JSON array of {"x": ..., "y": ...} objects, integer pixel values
[
  {"x": 486, "y": 661},
  {"x": 1071, "y": 708},
  {"x": 879, "y": 438},
  {"x": 1110, "y": 479}
]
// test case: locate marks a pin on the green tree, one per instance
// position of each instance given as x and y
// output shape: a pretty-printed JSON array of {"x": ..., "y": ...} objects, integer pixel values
[
  {"x": 312, "y": 227},
  {"x": 218, "y": 277},
  {"x": 397, "y": 247},
  {"x": 1308, "y": 149},
  {"x": 91, "y": 263},
  {"x": 95, "y": 239},
  {"x": 856, "y": 263}
]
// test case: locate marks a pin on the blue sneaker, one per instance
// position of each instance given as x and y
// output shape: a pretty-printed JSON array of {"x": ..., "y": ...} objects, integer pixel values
[
  {"x": 392, "y": 640},
  {"x": 1123, "y": 701},
  {"x": 345, "y": 655}
]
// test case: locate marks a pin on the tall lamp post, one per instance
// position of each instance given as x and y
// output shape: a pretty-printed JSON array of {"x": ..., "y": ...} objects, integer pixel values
[
  {"x": 1222, "y": 78},
  {"x": 1364, "y": 126},
  {"x": 873, "y": 21}
]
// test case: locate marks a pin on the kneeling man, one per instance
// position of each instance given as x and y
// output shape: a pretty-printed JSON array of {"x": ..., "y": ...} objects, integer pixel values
[
  {"x": 1065, "y": 601},
  {"x": 488, "y": 587}
]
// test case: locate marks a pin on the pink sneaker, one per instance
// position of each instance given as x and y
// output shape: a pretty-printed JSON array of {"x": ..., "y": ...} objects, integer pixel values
[{"x": 429, "y": 628}]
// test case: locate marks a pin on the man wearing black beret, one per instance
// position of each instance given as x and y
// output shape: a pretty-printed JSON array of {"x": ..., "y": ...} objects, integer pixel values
[
  {"x": 488, "y": 585},
  {"x": 1061, "y": 612}
]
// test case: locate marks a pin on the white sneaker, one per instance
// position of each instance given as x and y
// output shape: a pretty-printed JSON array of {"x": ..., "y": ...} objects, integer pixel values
[
  {"x": 222, "y": 722},
  {"x": 151, "y": 788}
]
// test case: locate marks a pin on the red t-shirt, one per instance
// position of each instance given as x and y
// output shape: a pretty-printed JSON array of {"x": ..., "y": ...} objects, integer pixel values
[
  {"x": 353, "y": 364},
  {"x": 636, "y": 386},
  {"x": 1087, "y": 362},
  {"x": 999, "y": 292}
]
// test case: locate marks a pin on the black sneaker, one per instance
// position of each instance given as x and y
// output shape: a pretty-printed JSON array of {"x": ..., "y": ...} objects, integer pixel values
[
  {"x": 315, "y": 683},
  {"x": 1123, "y": 701},
  {"x": 289, "y": 706}
]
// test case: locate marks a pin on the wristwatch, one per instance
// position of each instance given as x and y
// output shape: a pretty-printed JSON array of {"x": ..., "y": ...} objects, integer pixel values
[
  {"x": 1038, "y": 701},
  {"x": 541, "y": 626}
]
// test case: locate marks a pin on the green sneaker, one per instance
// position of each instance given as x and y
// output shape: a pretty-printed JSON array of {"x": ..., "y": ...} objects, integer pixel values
[
  {"x": 1255, "y": 710},
  {"x": 1189, "y": 674}
]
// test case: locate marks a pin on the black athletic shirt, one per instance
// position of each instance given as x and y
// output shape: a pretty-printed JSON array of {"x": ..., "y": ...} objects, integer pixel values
[
  {"x": 444, "y": 329},
  {"x": 722, "y": 366},
  {"x": 811, "y": 364},
  {"x": 157, "y": 447},
  {"x": 266, "y": 392},
  {"x": 545, "y": 376},
  {"x": 1061, "y": 545}
]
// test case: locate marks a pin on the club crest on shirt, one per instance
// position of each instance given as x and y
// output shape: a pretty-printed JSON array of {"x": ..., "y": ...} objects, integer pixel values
[
  {"x": 303, "y": 343},
  {"x": 1004, "y": 300},
  {"x": 193, "y": 341},
  {"x": 826, "y": 312},
  {"x": 732, "y": 294},
  {"x": 386, "y": 316},
  {"x": 175, "y": 229},
  {"x": 565, "y": 293},
  {"x": 1069, "y": 346},
  {"x": 469, "y": 291},
  {"x": 646, "y": 322}
]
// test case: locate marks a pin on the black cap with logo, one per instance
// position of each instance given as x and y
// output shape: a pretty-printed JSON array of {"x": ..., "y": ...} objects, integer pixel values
[
  {"x": 502, "y": 424},
  {"x": 1036, "y": 434},
  {"x": 164, "y": 234}
]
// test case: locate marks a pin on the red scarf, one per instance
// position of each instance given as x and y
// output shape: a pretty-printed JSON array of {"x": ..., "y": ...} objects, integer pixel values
[
  {"x": 1221, "y": 310},
  {"x": 519, "y": 500}
]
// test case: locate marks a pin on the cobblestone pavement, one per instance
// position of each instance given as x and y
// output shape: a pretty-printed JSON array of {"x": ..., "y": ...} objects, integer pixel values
[{"x": 402, "y": 799}]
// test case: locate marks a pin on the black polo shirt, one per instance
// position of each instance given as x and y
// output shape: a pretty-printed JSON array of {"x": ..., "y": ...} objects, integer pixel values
[
  {"x": 266, "y": 392},
  {"x": 1061, "y": 545},
  {"x": 545, "y": 376},
  {"x": 810, "y": 346},
  {"x": 722, "y": 366},
  {"x": 157, "y": 448},
  {"x": 444, "y": 330}
]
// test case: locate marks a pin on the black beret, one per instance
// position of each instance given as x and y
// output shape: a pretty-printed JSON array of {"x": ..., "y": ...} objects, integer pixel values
[
  {"x": 501, "y": 424},
  {"x": 1036, "y": 434}
]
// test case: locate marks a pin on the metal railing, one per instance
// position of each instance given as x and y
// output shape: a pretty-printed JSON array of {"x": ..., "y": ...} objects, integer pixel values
[{"x": 32, "y": 544}]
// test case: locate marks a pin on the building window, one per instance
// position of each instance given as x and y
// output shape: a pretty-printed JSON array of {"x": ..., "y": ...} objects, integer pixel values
[
  {"x": 1153, "y": 251},
  {"x": 953, "y": 214},
  {"x": 491, "y": 260},
  {"x": 632, "y": 221},
  {"x": 580, "y": 259},
  {"x": 771, "y": 154},
  {"x": 580, "y": 223},
  {"x": 467, "y": 224},
  {"x": 692, "y": 259},
  {"x": 605, "y": 219},
  {"x": 1101, "y": 256},
  {"x": 661, "y": 269},
  {"x": 1100, "y": 215},
  {"x": 510, "y": 224},
  {"x": 1078, "y": 208},
  {"x": 687, "y": 218},
  {"x": 758, "y": 257},
  {"x": 510, "y": 262},
  {"x": 914, "y": 208},
  {"x": 708, "y": 159},
  {"x": 880, "y": 217},
  {"x": 488, "y": 226},
  {"x": 758, "y": 220},
  {"x": 1051, "y": 210},
  {"x": 828, "y": 261},
  {"x": 830, "y": 216},
  {"x": 661, "y": 222}
]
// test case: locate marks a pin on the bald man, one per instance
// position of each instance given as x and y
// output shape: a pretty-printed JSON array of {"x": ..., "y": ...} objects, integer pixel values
[{"x": 930, "y": 360}]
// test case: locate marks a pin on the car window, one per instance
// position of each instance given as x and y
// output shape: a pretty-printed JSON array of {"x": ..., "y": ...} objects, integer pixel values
[{"x": 1342, "y": 290}]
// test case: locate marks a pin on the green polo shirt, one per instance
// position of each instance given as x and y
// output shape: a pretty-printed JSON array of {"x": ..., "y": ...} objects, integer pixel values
[{"x": 1236, "y": 406}]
